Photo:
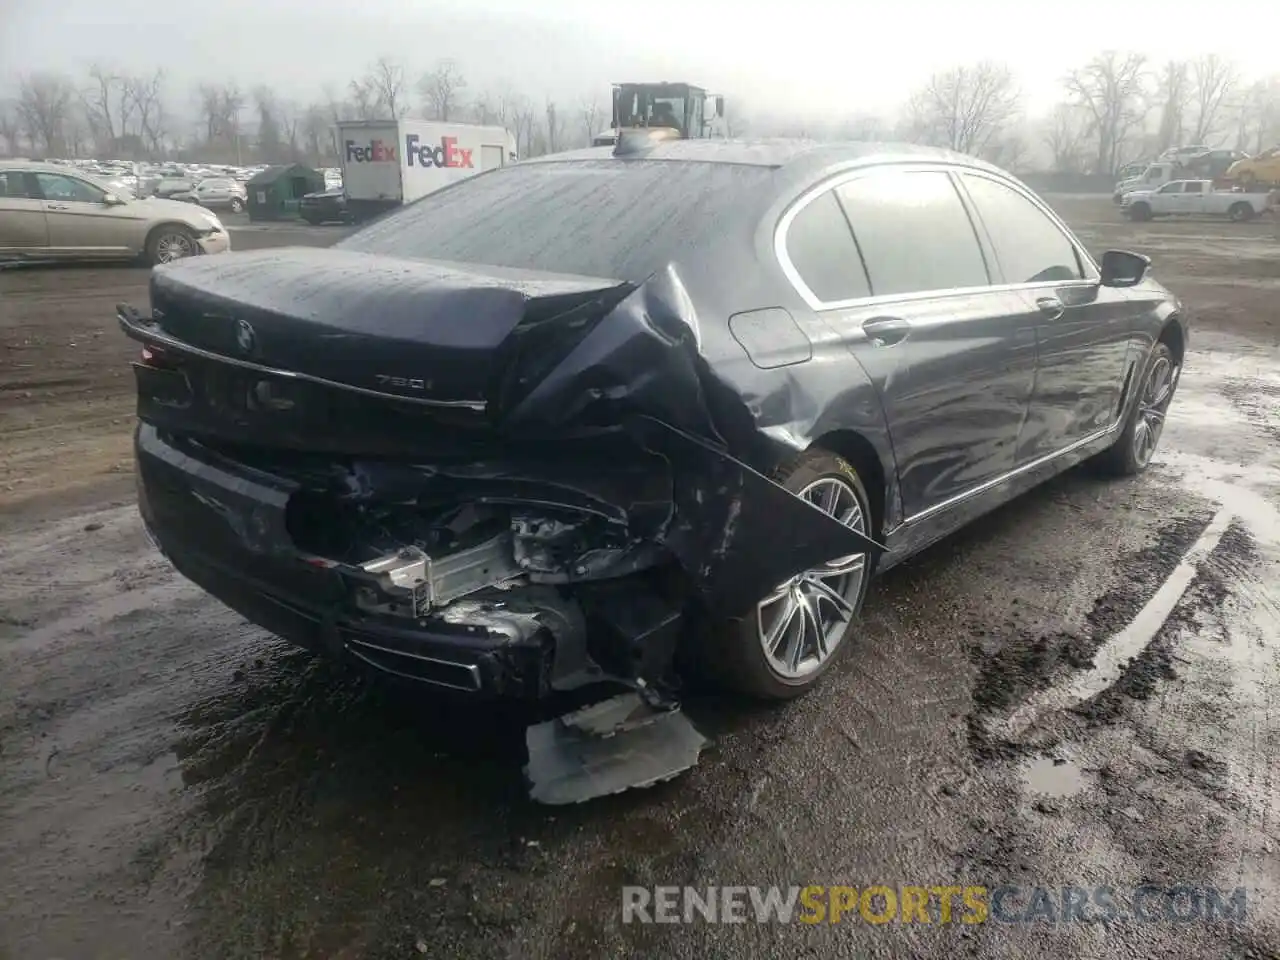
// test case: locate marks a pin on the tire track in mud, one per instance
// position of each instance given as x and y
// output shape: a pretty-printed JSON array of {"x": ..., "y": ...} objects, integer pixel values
[
  {"x": 1167, "y": 775},
  {"x": 1030, "y": 662}
]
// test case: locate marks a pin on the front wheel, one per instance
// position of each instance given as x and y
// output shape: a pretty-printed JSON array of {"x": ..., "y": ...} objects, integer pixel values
[
  {"x": 1133, "y": 449},
  {"x": 237, "y": 205},
  {"x": 792, "y": 637},
  {"x": 170, "y": 243}
]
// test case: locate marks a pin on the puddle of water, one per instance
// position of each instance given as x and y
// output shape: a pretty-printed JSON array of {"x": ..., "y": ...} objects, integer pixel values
[{"x": 1053, "y": 777}]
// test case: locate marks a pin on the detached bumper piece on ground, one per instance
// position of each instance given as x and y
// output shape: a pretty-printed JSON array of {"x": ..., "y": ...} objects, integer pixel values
[
  {"x": 615, "y": 745},
  {"x": 521, "y": 506}
]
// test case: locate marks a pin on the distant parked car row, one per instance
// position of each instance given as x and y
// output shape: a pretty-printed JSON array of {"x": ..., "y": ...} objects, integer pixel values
[{"x": 1223, "y": 167}]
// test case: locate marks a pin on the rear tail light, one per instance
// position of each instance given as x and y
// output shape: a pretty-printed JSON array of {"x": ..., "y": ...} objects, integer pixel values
[{"x": 157, "y": 358}]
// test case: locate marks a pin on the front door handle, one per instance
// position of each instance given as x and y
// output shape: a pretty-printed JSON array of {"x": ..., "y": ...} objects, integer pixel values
[
  {"x": 56, "y": 206},
  {"x": 886, "y": 331},
  {"x": 1051, "y": 307}
]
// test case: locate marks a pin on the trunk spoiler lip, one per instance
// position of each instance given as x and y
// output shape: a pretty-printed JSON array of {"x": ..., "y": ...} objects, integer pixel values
[{"x": 137, "y": 327}]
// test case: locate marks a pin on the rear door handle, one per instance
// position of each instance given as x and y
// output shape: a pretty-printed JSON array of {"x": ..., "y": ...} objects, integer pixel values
[
  {"x": 886, "y": 331},
  {"x": 1051, "y": 307}
]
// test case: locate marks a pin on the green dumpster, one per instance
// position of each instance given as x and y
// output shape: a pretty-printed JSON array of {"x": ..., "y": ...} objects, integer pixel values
[{"x": 274, "y": 194}]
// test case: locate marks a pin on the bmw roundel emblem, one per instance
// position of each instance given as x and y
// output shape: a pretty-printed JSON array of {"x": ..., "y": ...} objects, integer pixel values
[{"x": 244, "y": 336}]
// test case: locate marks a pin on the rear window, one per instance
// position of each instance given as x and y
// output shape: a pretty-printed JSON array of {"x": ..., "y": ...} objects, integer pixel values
[{"x": 598, "y": 218}]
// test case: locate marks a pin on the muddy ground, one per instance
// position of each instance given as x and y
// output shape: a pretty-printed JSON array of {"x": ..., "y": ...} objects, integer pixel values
[{"x": 1079, "y": 690}]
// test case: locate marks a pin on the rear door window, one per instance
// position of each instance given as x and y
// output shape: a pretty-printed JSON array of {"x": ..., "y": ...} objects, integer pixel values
[
  {"x": 822, "y": 250},
  {"x": 914, "y": 233},
  {"x": 13, "y": 185},
  {"x": 1029, "y": 246}
]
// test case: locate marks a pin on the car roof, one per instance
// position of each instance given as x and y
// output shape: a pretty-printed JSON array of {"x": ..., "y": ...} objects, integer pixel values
[
  {"x": 801, "y": 158},
  {"x": 35, "y": 166}
]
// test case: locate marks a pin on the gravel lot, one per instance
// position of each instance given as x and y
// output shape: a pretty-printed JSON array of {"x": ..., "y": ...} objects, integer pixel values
[{"x": 1079, "y": 690}]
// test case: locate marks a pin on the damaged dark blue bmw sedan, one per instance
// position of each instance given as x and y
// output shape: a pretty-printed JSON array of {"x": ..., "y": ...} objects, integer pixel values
[{"x": 585, "y": 418}]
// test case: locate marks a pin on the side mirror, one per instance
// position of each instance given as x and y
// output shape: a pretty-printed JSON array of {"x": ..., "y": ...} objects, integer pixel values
[
  {"x": 719, "y": 106},
  {"x": 112, "y": 200},
  {"x": 1120, "y": 268}
]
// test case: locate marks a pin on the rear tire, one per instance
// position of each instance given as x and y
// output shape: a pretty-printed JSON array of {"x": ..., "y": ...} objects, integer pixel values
[
  {"x": 1240, "y": 212},
  {"x": 1133, "y": 449},
  {"x": 237, "y": 205},
  {"x": 738, "y": 653}
]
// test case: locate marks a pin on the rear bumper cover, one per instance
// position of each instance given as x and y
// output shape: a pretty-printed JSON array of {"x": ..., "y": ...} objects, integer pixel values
[
  {"x": 221, "y": 530},
  {"x": 224, "y": 526}
]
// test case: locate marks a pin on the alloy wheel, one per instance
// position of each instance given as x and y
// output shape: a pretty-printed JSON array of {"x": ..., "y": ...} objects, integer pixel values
[
  {"x": 803, "y": 621},
  {"x": 174, "y": 246},
  {"x": 1156, "y": 394}
]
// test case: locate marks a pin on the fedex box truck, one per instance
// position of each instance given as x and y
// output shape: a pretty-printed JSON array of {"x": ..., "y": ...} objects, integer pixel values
[{"x": 386, "y": 163}]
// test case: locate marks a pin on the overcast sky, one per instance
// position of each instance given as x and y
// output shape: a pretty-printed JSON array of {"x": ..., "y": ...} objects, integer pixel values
[{"x": 814, "y": 57}]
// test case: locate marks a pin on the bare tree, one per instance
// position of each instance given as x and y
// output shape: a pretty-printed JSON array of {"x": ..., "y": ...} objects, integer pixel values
[
  {"x": 524, "y": 121},
  {"x": 336, "y": 108},
  {"x": 77, "y": 132},
  {"x": 1258, "y": 116},
  {"x": 44, "y": 108},
  {"x": 270, "y": 139},
  {"x": 1065, "y": 137},
  {"x": 489, "y": 108},
  {"x": 1214, "y": 78},
  {"x": 1008, "y": 151},
  {"x": 1112, "y": 87},
  {"x": 1173, "y": 93},
  {"x": 555, "y": 127},
  {"x": 964, "y": 108},
  {"x": 149, "y": 104},
  {"x": 10, "y": 128},
  {"x": 364, "y": 102},
  {"x": 386, "y": 80},
  {"x": 220, "y": 109},
  {"x": 313, "y": 129},
  {"x": 592, "y": 118},
  {"x": 290, "y": 127},
  {"x": 104, "y": 93},
  {"x": 442, "y": 89}
]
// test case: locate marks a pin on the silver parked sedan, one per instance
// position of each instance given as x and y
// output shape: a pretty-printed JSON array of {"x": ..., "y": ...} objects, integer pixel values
[
  {"x": 50, "y": 212},
  {"x": 216, "y": 193}
]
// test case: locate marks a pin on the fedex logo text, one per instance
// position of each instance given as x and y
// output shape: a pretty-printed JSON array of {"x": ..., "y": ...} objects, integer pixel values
[
  {"x": 447, "y": 154},
  {"x": 376, "y": 151}
]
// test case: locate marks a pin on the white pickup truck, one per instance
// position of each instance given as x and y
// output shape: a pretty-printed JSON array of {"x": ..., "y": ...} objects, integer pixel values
[
  {"x": 1149, "y": 177},
  {"x": 1195, "y": 197}
]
